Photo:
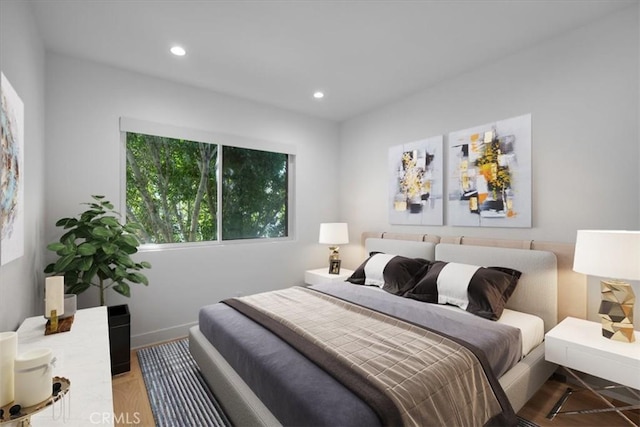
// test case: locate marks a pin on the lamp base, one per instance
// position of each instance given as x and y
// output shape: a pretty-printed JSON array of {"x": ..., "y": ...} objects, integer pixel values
[
  {"x": 616, "y": 310},
  {"x": 334, "y": 253}
]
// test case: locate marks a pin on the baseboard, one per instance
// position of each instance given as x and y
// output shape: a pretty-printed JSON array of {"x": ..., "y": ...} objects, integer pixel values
[{"x": 161, "y": 335}]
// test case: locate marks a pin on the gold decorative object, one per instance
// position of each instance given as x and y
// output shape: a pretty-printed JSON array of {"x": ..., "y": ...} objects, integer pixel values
[
  {"x": 60, "y": 325},
  {"x": 611, "y": 253},
  {"x": 52, "y": 323},
  {"x": 616, "y": 310}
]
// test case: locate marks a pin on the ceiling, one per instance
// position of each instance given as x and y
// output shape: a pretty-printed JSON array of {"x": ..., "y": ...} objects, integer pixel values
[{"x": 362, "y": 54}]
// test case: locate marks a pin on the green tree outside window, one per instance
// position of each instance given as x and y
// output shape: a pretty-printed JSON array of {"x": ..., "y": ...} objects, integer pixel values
[{"x": 172, "y": 190}]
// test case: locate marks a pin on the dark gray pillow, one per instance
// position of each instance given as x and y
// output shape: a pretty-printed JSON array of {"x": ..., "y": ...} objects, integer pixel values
[
  {"x": 393, "y": 273},
  {"x": 483, "y": 291}
]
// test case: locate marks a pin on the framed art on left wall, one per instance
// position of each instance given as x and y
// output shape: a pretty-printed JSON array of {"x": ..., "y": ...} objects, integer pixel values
[{"x": 11, "y": 173}]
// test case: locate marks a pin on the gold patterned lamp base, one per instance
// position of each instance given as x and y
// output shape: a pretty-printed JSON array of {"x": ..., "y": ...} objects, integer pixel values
[{"x": 616, "y": 310}]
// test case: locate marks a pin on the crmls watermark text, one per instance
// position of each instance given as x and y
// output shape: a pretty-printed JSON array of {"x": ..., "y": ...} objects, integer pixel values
[{"x": 126, "y": 418}]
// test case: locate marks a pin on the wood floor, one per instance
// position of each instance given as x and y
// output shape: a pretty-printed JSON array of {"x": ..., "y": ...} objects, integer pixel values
[
  {"x": 130, "y": 401},
  {"x": 543, "y": 401},
  {"x": 131, "y": 405}
]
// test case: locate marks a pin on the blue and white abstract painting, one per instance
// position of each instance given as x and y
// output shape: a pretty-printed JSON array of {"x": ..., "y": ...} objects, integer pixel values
[{"x": 11, "y": 173}]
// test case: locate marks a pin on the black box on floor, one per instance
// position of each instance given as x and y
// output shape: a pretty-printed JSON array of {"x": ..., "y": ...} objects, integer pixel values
[{"x": 120, "y": 338}]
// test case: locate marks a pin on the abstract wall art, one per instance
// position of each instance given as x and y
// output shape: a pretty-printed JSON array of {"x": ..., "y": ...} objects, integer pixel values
[
  {"x": 11, "y": 173},
  {"x": 416, "y": 182},
  {"x": 489, "y": 175}
]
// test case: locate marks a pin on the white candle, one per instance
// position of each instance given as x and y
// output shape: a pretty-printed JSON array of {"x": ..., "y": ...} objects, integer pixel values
[
  {"x": 8, "y": 351},
  {"x": 54, "y": 295},
  {"x": 33, "y": 377}
]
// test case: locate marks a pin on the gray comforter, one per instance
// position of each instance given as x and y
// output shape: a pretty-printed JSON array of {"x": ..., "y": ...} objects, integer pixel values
[{"x": 299, "y": 393}]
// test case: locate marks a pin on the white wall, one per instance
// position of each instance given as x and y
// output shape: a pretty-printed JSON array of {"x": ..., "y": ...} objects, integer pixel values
[
  {"x": 582, "y": 90},
  {"x": 22, "y": 62},
  {"x": 84, "y": 102}
]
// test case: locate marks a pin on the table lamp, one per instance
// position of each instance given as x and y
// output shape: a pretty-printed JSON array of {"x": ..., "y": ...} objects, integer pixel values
[
  {"x": 334, "y": 234},
  {"x": 613, "y": 254}
]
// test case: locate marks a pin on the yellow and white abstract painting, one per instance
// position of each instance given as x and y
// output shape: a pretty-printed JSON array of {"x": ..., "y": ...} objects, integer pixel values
[
  {"x": 416, "y": 182},
  {"x": 489, "y": 169}
]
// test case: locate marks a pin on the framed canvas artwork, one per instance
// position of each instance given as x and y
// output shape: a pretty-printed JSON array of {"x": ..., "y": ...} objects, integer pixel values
[
  {"x": 416, "y": 182},
  {"x": 489, "y": 174},
  {"x": 11, "y": 173}
]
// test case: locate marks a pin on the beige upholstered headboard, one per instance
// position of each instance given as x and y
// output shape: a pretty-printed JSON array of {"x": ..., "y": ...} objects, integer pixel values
[
  {"x": 537, "y": 290},
  {"x": 572, "y": 287},
  {"x": 408, "y": 248}
]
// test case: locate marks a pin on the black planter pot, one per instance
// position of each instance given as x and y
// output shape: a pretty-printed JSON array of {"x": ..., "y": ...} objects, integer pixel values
[{"x": 119, "y": 338}]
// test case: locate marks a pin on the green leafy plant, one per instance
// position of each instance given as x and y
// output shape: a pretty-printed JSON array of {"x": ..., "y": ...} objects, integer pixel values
[{"x": 96, "y": 251}]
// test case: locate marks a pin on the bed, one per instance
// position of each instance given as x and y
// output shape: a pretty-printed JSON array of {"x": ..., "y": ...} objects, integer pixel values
[{"x": 238, "y": 378}]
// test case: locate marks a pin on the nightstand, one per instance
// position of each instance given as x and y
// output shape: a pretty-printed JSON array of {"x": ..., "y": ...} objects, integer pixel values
[
  {"x": 578, "y": 344},
  {"x": 321, "y": 275}
]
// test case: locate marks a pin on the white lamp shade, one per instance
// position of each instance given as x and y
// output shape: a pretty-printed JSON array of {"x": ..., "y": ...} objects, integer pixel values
[
  {"x": 613, "y": 254},
  {"x": 334, "y": 233}
]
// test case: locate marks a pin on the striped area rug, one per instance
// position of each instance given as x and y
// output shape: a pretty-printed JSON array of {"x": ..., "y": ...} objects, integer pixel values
[{"x": 178, "y": 393}]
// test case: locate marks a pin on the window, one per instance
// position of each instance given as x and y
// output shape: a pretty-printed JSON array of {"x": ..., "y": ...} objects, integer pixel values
[
  {"x": 254, "y": 194},
  {"x": 182, "y": 190},
  {"x": 171, "y": 188}
]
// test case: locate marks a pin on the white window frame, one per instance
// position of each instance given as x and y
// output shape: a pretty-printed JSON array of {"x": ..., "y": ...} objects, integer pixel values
[{"x": 220, "y": 139}]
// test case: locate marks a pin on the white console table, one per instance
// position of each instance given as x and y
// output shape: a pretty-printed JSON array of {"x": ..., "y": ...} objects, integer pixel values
[{"x": 82, "y": 356}]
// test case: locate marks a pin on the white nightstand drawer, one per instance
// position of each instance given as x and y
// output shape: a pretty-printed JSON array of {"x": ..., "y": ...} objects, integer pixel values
[
  {"x": 554, "y": 351},
  {"x": 603, "y": 367},
  {"x": 578, "y": 344}
]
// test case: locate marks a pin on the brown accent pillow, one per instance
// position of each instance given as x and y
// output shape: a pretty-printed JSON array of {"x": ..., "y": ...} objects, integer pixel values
[
  {"x": 483, "y": 291},
  {"x": 393, "y": 273}
]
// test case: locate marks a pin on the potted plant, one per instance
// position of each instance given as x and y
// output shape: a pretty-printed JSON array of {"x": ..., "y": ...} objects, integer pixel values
[{"x": 96, "y": 251}]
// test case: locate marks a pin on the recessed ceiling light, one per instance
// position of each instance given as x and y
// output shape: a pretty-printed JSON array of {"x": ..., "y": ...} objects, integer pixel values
[
  {"x": 178, "y": 51},
  {"x": 318, "y": 95}
]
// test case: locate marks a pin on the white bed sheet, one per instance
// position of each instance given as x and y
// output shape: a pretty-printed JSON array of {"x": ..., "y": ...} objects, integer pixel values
[{"x": 531, "y": 327}]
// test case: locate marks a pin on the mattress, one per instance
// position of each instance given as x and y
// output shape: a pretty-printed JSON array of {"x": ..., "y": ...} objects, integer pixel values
[
  {"x": 297, "y": 392},
  {"x": 531, "y": 328}
]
